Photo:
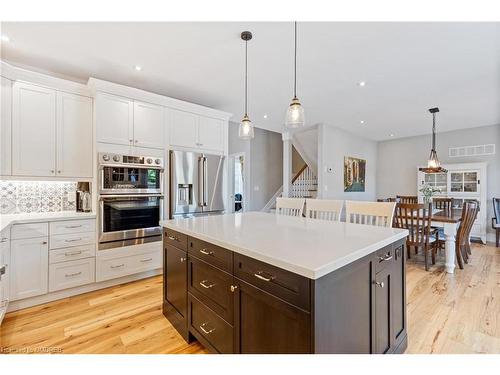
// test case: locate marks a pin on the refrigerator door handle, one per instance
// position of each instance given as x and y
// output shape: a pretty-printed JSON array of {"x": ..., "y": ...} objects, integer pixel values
[
  {"x": 205, "y": 181},
  {"x": 201, "y": 180}
]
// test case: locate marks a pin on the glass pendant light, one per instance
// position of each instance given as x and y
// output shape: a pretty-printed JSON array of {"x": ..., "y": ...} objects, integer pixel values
[
  {"x": 245, "y": 130},
  {"x": 433, "y": 164},
  {"x": 295, "y": 112}
]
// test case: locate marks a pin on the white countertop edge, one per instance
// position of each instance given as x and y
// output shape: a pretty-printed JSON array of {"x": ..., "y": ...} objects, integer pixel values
[
  {"x": 12, "y": 219},
  {"x": 306, "y": 272}
]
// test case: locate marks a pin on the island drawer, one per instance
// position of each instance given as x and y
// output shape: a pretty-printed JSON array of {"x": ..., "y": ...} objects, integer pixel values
[
  {"x": 384, "y": 258},
  {"x": 208, "y": 327},
  {"x": 212, "y": 254},
  {"x": 286, "y": 285},
  {"x": 212, "y": 286},
  {"x": 176, "y": 239}
]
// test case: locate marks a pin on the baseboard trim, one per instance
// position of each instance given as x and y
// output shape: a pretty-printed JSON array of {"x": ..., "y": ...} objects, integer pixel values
[{"x": 54, "y": 296}]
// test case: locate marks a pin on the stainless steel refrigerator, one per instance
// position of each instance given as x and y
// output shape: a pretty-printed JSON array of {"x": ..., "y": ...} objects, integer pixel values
[{"x": 196, "y": 183}]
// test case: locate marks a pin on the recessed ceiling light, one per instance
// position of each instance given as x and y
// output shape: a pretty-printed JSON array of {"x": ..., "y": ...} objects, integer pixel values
[
  {"x": 138, "y": 68},
  {"x": 391, "y": 135},
  {"x": 362, "y": 83},
  {"x": 265, "y": 116},
  {"x": 362, "y": 122},
  {"x": 5, "y": 38}
]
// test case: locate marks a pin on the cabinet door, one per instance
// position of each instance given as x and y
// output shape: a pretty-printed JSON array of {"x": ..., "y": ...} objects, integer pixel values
[
  {"x": 184, "y": 129},
  {"x": 74, "y": 135},
  {"x": 114, "y": 119},
  {"x": 176, "y": 279},
  {"x": 29, "y": 268},
  {"x": 5, "y": 265},
  {"x": 398, "y": 274},
  {"x": 266, "y": 324},
  {"x": 211, "y": 134},
  {"x": 6, "y": 127},
  {"x": 148, "y": 125},
  {"x": 383, "y": 311},
  {"x": 33, "y": 130}
]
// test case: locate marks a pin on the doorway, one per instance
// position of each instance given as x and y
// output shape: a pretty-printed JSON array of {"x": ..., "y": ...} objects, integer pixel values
[{"x": 238, "y": 182}]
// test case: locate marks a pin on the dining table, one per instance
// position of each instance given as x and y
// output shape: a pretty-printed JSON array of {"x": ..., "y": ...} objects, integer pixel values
[{"x": 449, "y": 220}]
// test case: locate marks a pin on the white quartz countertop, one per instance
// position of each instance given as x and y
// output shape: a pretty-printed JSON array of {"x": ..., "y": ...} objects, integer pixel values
[
  {"x": 6, "y": 220},
  {"x": 308, "y": 247}
]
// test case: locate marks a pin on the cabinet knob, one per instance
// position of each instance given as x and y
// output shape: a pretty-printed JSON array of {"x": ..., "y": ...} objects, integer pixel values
[
  {"x": 136, "y": 141},
  {"x": 44, "y": 242},
  {"x": 52, "y": 171},
  {"x": 233, "y": 288},
  {"x": 131, "y": 140},
  {"x": 59, "y": 172},
  {"x": 380, "y": 284},
  {"x": 183, "y": 260}
]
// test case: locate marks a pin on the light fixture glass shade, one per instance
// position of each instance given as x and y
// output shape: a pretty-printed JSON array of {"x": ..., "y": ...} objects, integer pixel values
[
  {"x": 245, "y": 130},
  {"x": 433, "y": 161},
  {"x": 295, "y": 115}
]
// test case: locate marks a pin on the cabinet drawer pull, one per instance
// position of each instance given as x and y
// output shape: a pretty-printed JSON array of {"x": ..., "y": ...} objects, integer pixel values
[
  {"x": 73, "y": 274},
  {"x": 204, "y": 284},
  {"x": 206, "y": 252},
  {"x": 384, "y": 259},
  {"x": 74, "y": 240},
  {"x": 146, "y": 260},
  {"x": 2, "y": 269},
  {"x": 207, "y": 332},
  {"x": 121, "y": 265},
  {"x": 172, "y": 238},
  {"x": 259, "y": 276},
  {"x": 72, "y": 226},
  {"x": 4, "y": 239},
  {"x": 380, "y": 284},
  {"x": 71, "y": 253},
  {"x": 44, "y": 242}
]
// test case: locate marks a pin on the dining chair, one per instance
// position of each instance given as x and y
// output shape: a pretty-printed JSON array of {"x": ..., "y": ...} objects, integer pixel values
[
  {"x": 386, "y": 200},
  {"x": 416, "y": 218},
  {"x": 462, "y": 244},
  {"x": 324, "y": 209},
  {"x": 411, "y": 199},
  {"x": 370, "y": 213},
  {"x": 442, "y": 203},
  {"x": 495, "y": 221},
  {"x": 290, "y": 206}
]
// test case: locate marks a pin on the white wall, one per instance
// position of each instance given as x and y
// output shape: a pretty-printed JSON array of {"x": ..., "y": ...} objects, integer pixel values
[
  {"x": 263, "y": 164},
  {"x": 333, "y": 145},
  {"x": 398, "y": 160}
]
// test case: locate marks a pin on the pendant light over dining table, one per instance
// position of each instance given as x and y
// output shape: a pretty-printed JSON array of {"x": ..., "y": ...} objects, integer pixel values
[
  {"x": 295, "y": 112},
  {"x": 433, "y": 164},
  {"x": 246, "y": 130}
]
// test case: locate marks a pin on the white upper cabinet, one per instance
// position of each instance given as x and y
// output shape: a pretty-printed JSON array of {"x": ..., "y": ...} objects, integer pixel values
[
  {"x": 33, "y": 130},
  {"x": 6, "y": 127},
  {"x": 211, "y": 134},
  {"x": 74, "y": 135},
  {"x": 149, "y": 125},
  {"x": 183, "y": 129},
  {"x": 114, "y": 119},
  {"x": 194, "y": 131}
]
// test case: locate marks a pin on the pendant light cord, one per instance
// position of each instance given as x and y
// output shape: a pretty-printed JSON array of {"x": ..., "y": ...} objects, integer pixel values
[
  {"x": 295, "y": 65},
  {"x": 246, "y": 76},
  {"x": 434, "y": 131}
]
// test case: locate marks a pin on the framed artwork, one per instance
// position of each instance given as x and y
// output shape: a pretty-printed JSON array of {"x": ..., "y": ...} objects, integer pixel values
[{"x": 354, "y": 174}]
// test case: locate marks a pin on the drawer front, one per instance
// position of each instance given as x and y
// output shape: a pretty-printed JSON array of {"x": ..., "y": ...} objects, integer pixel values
[
  {"x": 32, "y": 230},
  {"x": 212, "y": 286},
  {"x": 113, "y": 268},
  {"x": 72, "y": 253},
  {"x": 74, "y": 239},
  {"x": 70, "y": 274},
  {"x": 286, "y": 285},
  {"x": 384, "y": 258},
  {"x": 212, "y": 254},
  {"x": 5, "y": 235},
  {"x": 207, "y": 324},
  {"x": 72, "y": 226},
  {"x": 176, "y": 239}
]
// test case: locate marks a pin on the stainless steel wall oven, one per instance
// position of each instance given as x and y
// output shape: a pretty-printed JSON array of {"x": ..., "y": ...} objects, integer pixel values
[{"x": 130, "y": 200}]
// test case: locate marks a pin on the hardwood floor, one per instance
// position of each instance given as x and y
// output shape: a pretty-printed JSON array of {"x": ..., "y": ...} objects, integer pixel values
[{"x": 446, "y": 314}]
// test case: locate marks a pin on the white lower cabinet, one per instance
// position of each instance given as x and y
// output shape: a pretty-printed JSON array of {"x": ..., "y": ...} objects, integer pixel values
[
  {"x": 72, "y": 253},
  {"x": 71, "y": 274},
  {"x": 73, "y": 239},
  {"x": 29, "y": 262},
  {"x": 4, "y": 271}
]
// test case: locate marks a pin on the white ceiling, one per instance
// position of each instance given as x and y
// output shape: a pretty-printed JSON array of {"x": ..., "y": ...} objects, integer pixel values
[{"x": 408, "y": 68}]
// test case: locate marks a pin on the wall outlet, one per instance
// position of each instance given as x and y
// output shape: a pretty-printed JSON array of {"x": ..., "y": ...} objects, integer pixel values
[{"x": 329, "y": 169}]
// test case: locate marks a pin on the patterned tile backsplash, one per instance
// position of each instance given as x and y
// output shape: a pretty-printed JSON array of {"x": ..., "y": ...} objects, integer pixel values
[{"x": 36, "y": 196}]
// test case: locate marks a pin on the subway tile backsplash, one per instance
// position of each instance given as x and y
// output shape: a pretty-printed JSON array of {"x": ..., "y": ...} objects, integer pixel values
[{"x": 36, "y": 196}]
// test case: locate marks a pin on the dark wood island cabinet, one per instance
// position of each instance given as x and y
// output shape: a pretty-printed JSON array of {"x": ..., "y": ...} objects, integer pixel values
[{"x": 233, "y": 303}]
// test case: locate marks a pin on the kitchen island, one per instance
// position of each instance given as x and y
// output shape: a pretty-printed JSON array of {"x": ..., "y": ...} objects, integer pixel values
[{"x": 260, "y": 283}]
